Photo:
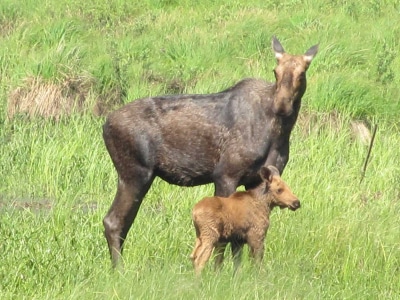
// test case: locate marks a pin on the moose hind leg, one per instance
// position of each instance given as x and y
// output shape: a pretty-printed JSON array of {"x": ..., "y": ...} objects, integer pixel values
[
  {"x": 133, "y": 154},
  {"x": 123, "y": 212}
]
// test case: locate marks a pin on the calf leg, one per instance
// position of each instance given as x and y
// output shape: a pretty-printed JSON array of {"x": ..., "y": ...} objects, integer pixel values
[
  {"x": 201, "y": 255},
  {"x": 219, "y": 255},
  {"x": 256, "y": 244},
  {"x": 237, "y": 250},
  {"x": 194, "y": 252},
  {"x": 123, "y": 212}
]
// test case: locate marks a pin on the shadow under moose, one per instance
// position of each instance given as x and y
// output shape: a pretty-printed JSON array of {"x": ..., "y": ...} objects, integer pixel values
[
  {"x": 242, "y": 218},
  {"x": 222, "y": 138}
]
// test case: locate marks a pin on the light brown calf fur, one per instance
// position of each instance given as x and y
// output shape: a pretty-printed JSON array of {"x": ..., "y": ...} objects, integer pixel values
[{"x": 241, "y": 218}]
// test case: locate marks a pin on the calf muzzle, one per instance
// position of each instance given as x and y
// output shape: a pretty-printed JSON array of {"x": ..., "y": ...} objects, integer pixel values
[{"x": 295, "y": 205}]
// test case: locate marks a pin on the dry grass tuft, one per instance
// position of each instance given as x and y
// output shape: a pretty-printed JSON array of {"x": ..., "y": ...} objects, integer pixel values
[
  {"x": 6, "y": 27},
  {"x": 361, "y": 132},
  {"x": 315, "y": 122},
  {"x": 310, "y": 123},
  {"x": 50, "y": 100}
]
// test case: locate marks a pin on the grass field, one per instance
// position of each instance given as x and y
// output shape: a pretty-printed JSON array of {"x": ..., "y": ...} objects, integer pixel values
[{"x": 64, "y": 64}]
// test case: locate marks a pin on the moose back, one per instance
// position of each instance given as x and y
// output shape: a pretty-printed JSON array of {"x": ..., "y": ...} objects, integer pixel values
[{"x": 222, "y": 138}]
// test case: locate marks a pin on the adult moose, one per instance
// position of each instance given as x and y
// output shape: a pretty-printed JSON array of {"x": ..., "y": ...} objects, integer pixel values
[{"x": 222, "y": 138}]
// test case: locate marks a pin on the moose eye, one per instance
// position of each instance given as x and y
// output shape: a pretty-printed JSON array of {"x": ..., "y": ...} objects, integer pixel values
[{"x": 279, "y": 191}]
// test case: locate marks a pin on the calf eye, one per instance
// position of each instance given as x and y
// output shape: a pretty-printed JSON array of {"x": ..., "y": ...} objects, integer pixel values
[{"x": 279, "y": 191}]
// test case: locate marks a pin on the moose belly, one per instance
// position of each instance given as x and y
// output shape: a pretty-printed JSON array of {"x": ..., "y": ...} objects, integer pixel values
[{"x": 185, "y": 167}]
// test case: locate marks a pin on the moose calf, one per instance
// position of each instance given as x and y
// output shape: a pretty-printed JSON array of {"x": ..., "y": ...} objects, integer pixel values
[{"x": 241, "y": 218}]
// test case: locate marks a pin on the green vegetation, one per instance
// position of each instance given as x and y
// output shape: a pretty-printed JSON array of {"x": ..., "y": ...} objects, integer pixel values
[{"x": 63, "y": 64}]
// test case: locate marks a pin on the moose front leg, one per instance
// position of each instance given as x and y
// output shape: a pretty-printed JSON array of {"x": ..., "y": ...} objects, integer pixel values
[
  {"x": 224, "y": 186},
  {"x": 278, "y": 158}
]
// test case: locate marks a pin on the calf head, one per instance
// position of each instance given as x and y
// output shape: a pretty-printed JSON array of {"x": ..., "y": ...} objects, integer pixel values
[
  {"x": 290, "y": 75},
  {"x": 281, "y": 194}
]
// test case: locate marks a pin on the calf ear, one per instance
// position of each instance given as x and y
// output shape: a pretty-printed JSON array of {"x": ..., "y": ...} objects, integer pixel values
[
  {"x": 266, "y": 173},
  {"x": 310, "y": 53},
  {"x": 274, "y": 171},
  {"x": 277, "y": 47}
]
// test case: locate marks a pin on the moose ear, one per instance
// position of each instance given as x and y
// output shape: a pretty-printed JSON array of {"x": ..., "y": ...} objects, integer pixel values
[
  {"x": 277, "y": 47},
  {"x": 310, "y": 53}
]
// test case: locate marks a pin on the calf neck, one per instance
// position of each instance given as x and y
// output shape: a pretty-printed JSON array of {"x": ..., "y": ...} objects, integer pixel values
[{"x": 222, "y": 138}]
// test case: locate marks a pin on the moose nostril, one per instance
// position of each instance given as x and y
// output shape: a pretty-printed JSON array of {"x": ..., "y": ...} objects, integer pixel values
[{"x": 296, "y": 203}]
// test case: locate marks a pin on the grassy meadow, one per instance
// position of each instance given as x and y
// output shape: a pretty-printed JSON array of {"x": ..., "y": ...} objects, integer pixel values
[{"x": 65, "y": 64}]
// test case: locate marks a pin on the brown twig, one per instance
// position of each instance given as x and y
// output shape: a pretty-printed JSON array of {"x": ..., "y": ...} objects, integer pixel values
[{"x": 369, "y": 153}]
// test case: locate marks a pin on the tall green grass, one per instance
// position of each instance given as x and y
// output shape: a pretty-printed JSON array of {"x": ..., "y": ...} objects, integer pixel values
[
  {"x": 342, "y": 243},
  {"x": 142, "y": 48},
  {"x": 57, "y": 180}
]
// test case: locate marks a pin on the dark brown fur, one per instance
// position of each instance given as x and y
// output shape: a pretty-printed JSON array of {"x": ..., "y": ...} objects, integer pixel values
[
  {"x": 241, "y": 218},
  {"x": 188, "y": 140}
]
